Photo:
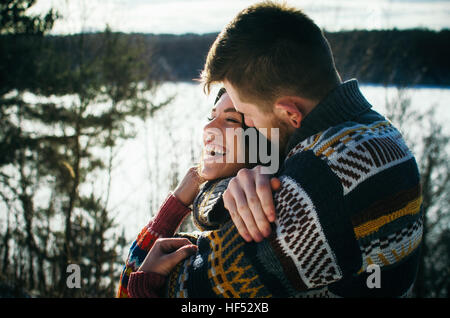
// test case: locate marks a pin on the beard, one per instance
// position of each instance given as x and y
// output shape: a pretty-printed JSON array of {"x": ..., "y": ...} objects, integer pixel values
[
  {"x": 278, "y": 141},
  {"x": 284, "y": 131}
]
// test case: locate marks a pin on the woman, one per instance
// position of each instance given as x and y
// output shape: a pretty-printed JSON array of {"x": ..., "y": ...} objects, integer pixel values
[{"x": 142, "y": 276}]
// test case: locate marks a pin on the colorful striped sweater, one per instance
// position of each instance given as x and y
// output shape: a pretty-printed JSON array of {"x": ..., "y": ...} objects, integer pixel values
[
  {"x": 164, "y": 224},
  {"x": 350, "y": 197},
  {"x": 208, "y": 214}
]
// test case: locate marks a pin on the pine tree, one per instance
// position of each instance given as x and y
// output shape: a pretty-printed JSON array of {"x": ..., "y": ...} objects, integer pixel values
[
  {"x": 429, "y": 142},
  {"x": 56, "y": 148}
]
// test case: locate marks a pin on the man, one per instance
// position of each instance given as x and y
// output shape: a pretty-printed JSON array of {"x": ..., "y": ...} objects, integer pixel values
[{"x": 346, "y": 221}]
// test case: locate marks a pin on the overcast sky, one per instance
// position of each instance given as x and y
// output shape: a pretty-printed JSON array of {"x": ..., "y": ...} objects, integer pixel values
[{"x": 203, "y": 16}]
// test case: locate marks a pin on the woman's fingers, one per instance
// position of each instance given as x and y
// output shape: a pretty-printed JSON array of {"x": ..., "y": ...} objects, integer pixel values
[
  {"x": 188, "y": 188},
  {"x": 174, "y": 257},
  {"x": 169, "y": 245},
  {"x": 166, "y": 253}
]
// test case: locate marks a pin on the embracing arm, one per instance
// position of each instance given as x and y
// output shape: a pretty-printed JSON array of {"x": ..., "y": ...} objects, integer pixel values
[
  {"x": 159, "y": 262},
  {"x": 295, "y": 257},
  {"x": 164, "y": 224}
]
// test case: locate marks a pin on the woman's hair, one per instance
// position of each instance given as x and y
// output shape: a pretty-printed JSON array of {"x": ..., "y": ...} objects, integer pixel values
[
  {"x": 222, "y": 91},
  {"x": 219, "y": 94}
]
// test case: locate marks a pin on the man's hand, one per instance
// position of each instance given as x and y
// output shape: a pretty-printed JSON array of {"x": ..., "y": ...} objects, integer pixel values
[
  {"x": 166, "y": 253},
  {"x": 249, "y": 200}
]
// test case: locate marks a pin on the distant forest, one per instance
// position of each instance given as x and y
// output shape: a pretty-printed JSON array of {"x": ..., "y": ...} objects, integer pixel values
[
  {"x": 388, "y": 57},
  {"x": 408, "y": 57},
  {"x": 411, "y": 57}
]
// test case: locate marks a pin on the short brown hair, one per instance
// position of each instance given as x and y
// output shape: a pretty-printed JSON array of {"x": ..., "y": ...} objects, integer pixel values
[{"x": 269, "y": 50}]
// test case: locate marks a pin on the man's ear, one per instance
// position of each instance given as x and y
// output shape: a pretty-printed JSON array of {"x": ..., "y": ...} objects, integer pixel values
[{"x": 289, "y": 109}]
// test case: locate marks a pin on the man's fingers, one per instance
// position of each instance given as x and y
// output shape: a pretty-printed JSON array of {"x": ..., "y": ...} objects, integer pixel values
[
  {"x": 230, "y": 205},
  {"x": 275, "y": 184},
  {"x": 245, "y": 213},
  {"x": 249, "y": 200},
  {"x": 264, "y": 192},
  {"x": 257, "y": 214}
]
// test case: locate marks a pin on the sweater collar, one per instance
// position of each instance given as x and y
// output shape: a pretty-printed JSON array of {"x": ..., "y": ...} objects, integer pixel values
[
  {"x": 208, "y": 210},
  {"x": 344, "y": 103}
]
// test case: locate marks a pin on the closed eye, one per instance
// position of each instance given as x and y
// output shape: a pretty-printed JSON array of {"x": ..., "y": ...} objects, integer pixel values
[{"x": 233, "y": 120}]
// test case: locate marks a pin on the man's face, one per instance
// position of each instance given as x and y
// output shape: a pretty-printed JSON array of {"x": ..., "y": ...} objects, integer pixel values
[
  {"x": 253, "y": 116},
  {"x": 264, "y": 121}
]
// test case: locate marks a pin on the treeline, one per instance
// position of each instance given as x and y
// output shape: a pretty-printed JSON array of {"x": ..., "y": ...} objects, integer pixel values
[
  {"x": 56, "y": 154},
  {"x": 398, "y": 57},
  {"x": 394, "y": 57}
]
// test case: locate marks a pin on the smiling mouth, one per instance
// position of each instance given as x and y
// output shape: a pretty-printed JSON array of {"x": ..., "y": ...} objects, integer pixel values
[{"x": 215, "y": 150}]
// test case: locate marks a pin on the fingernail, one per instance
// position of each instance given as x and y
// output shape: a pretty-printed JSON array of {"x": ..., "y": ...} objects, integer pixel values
[{"x": 247, "y": 238}]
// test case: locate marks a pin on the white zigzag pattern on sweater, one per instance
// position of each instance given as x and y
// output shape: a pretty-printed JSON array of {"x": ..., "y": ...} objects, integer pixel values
[
  {"x": 390, "y": 249},
  {"x": 358, "y": 152},
  {"x": 301, "y": 236}
]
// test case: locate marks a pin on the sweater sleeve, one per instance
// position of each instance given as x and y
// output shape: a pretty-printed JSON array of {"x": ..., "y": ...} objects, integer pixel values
[
  {"x": 164, "y": 224},
  {"x": 145, "y": 285}
]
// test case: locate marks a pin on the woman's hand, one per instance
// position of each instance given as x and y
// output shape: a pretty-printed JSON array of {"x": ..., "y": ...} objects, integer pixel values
[
  {"x": 165, "y": 254},
  {"x": 189, "y": 187}
]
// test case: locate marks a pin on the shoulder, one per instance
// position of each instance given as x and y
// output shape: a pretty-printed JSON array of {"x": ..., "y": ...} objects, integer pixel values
[{"x": 353, "y": 151}]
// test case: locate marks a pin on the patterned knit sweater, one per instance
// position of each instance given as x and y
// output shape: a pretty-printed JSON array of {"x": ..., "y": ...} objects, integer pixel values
[
  {"x": 350, "y": 197},
  {"x": 208, "y": 214},
  {"x": 164, "y": 224}
]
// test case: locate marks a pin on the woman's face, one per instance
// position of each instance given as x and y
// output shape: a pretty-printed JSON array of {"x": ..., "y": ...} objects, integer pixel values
[{"x": 220, "y": 154}]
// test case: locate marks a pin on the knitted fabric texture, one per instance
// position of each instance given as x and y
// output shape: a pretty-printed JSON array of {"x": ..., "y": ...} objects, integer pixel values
[
  {"x": 350, "y": 197},
  {"x": 208, "y": 210},
  {"x": 145, "y": 285},
  {"x": 164, "y": 224},
  {"x": 208, "y": 213}
]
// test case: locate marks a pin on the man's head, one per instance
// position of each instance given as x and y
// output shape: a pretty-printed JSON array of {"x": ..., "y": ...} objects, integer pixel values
[{"x": 275, "y": 64}]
